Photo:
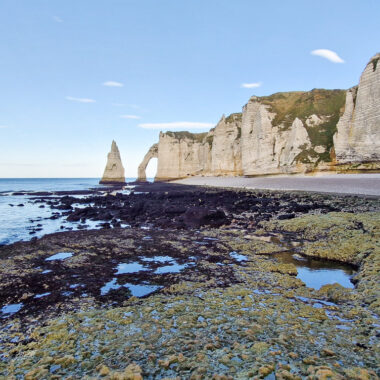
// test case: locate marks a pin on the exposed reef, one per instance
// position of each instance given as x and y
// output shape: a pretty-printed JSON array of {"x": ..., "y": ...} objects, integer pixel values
[
  {"x": 284, "y": 133},
  {"x": 195, "y": 288}
]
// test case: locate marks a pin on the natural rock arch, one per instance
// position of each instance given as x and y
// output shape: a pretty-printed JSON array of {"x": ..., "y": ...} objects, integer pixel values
[{"x": 152, "y": 153}]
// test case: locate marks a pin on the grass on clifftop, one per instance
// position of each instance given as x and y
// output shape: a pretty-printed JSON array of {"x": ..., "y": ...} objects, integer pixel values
[
  {"x": 199, "y": 137},
  {"x": 323, "y": 103},
  {"x": 289, "y": 105},
  {"x": 234, "y": 117}
]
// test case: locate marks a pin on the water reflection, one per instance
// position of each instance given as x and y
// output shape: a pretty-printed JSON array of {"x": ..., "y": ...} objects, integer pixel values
[
  {"x": 59, "y": 256},
  {"x": 316, "y": 273}
]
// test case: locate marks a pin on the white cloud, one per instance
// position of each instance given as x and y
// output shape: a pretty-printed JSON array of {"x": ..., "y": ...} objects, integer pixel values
[
  {"x": 251, "y": 85},
  {"x": 80, "y": 100},
  {"x": 328, "y": 54},
  {"x": 57, "y": 19},
  {"x": 130, "y": 117},
  {"x": 176, "y": 125},
  {"x": 111, "y": 83},
  {"x": 134, "y": 106},
  {"x": 3, "y": 126}
]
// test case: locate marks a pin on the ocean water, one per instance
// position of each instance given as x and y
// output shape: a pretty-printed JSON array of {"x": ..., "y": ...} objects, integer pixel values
[{"x": 17, "y": 222}]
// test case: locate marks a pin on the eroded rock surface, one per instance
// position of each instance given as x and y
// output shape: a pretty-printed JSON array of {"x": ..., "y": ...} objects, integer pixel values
[
  {"x": 357, "y": 140},
  {"x": 114, "y": 170},
  {"x": 152, "y": 153}
]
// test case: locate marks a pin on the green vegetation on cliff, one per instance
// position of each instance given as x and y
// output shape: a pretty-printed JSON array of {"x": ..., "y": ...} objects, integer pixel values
[
  {"x": 198, "y": 137},
  {"x": 374, "y": 62},
  {"x": 234, "y": 117},
  {"x": 328, "y": 105}
]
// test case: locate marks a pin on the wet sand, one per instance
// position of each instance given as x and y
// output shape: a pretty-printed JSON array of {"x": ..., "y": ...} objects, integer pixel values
[{"x": 360, "y": 184}]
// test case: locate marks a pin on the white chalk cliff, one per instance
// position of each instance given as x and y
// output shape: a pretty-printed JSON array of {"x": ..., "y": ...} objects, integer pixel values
[
  {"x": 288, "y": 132},
  {"x": 225, "y": 146},
  {"x": 357, "y": 139},
  {"x": 114, "y": 171}
]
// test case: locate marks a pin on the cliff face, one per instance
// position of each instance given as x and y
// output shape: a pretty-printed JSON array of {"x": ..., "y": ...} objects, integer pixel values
[
  {"x": 288, "y": 132},
  {"x": 226, "y": 146},
  {"x": 181, "y": 154},
  {"x": 114, "y": 170},
  {"x": 357, "y": 140}
]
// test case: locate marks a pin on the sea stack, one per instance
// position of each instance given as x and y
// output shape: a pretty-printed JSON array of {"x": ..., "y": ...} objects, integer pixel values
[{"x": 114, "y": 171}]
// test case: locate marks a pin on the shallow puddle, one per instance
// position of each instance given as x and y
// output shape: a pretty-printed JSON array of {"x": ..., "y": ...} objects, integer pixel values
[
  {"x": 160, "y": 259},
  {"x": 141, "y": 290},
  {"x": 316, "y": 273},
  {"x": 109, "y": 286},
  {"x": 238, "y": 257},
  {"x": 42, "y": 295},
  {"x": 129, "y": 268},
  {"x": 171, "y": 265},
  {"x": 11, "y": 309},
  {"x": 173, "y": 268},
  {"x": 60, "y": 256},
  {"x": 136, "y": 290}
]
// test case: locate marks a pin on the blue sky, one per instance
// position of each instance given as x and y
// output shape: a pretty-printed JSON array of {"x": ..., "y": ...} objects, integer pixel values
[{"x": 176, "y": 60}]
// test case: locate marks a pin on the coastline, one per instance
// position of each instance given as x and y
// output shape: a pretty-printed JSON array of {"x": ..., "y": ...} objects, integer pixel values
[{"x": 350, "y": 184}]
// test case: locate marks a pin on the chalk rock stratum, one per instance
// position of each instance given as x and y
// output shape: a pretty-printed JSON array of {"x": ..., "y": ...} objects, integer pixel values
[
  {"x": 357, "y": 140},
  {"x": 114, "y": 171},
  {"x": 287, "y": 132}
]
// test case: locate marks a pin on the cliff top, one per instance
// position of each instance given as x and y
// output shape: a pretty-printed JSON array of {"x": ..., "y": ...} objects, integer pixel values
[
  {"x": 237, "y": 116},
  {"x": 302, "y": 104},
  {"x": 374, "y": 60},
  {"x": 187, "y": 135},
  {"x": 114, "y": 147}
]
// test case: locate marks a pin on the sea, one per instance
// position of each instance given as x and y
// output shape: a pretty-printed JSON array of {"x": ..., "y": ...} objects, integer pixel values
[{"x": 19, "y": 216}]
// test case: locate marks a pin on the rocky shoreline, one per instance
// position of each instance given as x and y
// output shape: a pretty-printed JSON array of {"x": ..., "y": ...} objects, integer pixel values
[{"x": 188, "y": 282}]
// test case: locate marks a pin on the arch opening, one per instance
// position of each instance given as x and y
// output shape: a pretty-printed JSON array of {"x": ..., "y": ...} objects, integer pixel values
[
  {"x": 151, "y": 154},
  {"x": 151, "y": 169}
]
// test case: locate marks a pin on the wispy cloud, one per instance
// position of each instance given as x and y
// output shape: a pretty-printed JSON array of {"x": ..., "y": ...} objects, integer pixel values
[
  {"x": 328, "y": 54},
  {"x": 251, "y": 85},
  {"x": 112, "y": 83},
  {"x": 135, "y": 106},
  {"x": 57, "y": 19},
  {"x": 80, "y": 100},
  {"x": 3, "y": 126},
  {"x": 176, "y": 125},
  {"x": 130, "y": 117}
]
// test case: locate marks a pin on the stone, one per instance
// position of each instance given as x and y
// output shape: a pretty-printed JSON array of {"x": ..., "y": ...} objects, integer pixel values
[
  {"x": 104, "y": 370},
  {"x": 114, "y": 170},
  {"x": 199, "y": 216},
  {"x": 266, "y": 370}
]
